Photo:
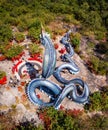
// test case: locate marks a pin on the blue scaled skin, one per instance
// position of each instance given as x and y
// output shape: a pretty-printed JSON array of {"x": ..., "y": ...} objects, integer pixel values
[
  {"x": 70, "y": 65},
  {"x": 71, "y": 90},
  {"x": 74, "y": 89},
  {"x": 79, "y": 84},
  {"x": 73, "y": 69},
  {"x": 46, "y": 85},
  {"x": 49, "y": 61}
]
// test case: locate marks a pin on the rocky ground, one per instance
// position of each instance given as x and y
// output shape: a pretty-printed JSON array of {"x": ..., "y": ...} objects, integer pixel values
[
  {"x": 13, "y": 100},
  {"x": 94, "y": 81}
]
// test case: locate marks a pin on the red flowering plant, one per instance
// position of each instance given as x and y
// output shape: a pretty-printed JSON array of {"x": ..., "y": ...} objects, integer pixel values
[
  {"x": 3, "y": 78},
  {"x": 74, "y": 112},
  {"x": 56, "y": 46}
]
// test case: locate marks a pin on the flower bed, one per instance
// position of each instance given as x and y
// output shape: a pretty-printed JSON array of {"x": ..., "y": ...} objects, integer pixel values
[
  {"x": 36, "y": 57},
  {"x": 15, "y": 67}
]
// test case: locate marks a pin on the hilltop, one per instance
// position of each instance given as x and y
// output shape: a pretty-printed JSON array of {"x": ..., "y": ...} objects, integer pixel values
[{"x": 20, "y": 25}]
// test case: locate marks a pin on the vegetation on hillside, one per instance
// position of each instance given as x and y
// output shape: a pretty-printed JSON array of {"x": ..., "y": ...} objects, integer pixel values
[
  {"x": 27, "y": 14},
  {"x": 98, "y": 101},
  {"x": 60, "y": 120},
  {"x": 90, "y": 18},
  {"x": 72, "y": 120}
]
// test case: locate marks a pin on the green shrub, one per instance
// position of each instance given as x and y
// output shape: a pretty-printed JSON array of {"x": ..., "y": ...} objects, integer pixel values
[
  {"x": 58, "y": 120},
  {"x": 22, "y": 26},
  {"x": 19, "y": 37},
  {"x": 35, "y": 23},
  {"x": 2, "y": 48},
  {"x": 35, "y": 48},
  {"x": 99, "y": 122},
  {"x": 34, "y": 33},
  {"x": 96, "y": 122},
  {"x": 63, "y": 120},
  {"x": 28, "y": 126},
  {"x": 98, "y": 66},
  {"x": 102, "y": 68},
  {"x": 102, "y": 48},
  {"x": 58, "y": 31},
  {"x": 68, "y": 18},
  {"x": 2, "y": 74},
  {"x": 47, "y": 17},
  {"x": 5, "y": 33},
  {"x": 95, "y": 102},
  {"x": 99, "y": 35},
  {"x": 88, "y": 33},
  {"x": 76, "y": 44},
  {"x": 94, "y": 63},
  {"x": 98, "y": 101},
  {"x": 13, "y": 51},
  {"x": 91, "y": 45},
  {"x": 75, "y": 40},
  {"x": 47, "y": 29}
]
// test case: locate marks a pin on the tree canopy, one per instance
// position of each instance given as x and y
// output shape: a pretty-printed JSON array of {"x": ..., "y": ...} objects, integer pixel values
[{"x": 89, "y": 12}]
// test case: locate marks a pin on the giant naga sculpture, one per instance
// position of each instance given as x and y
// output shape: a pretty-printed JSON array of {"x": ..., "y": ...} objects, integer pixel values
[{"x": 57, "y": 93}]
